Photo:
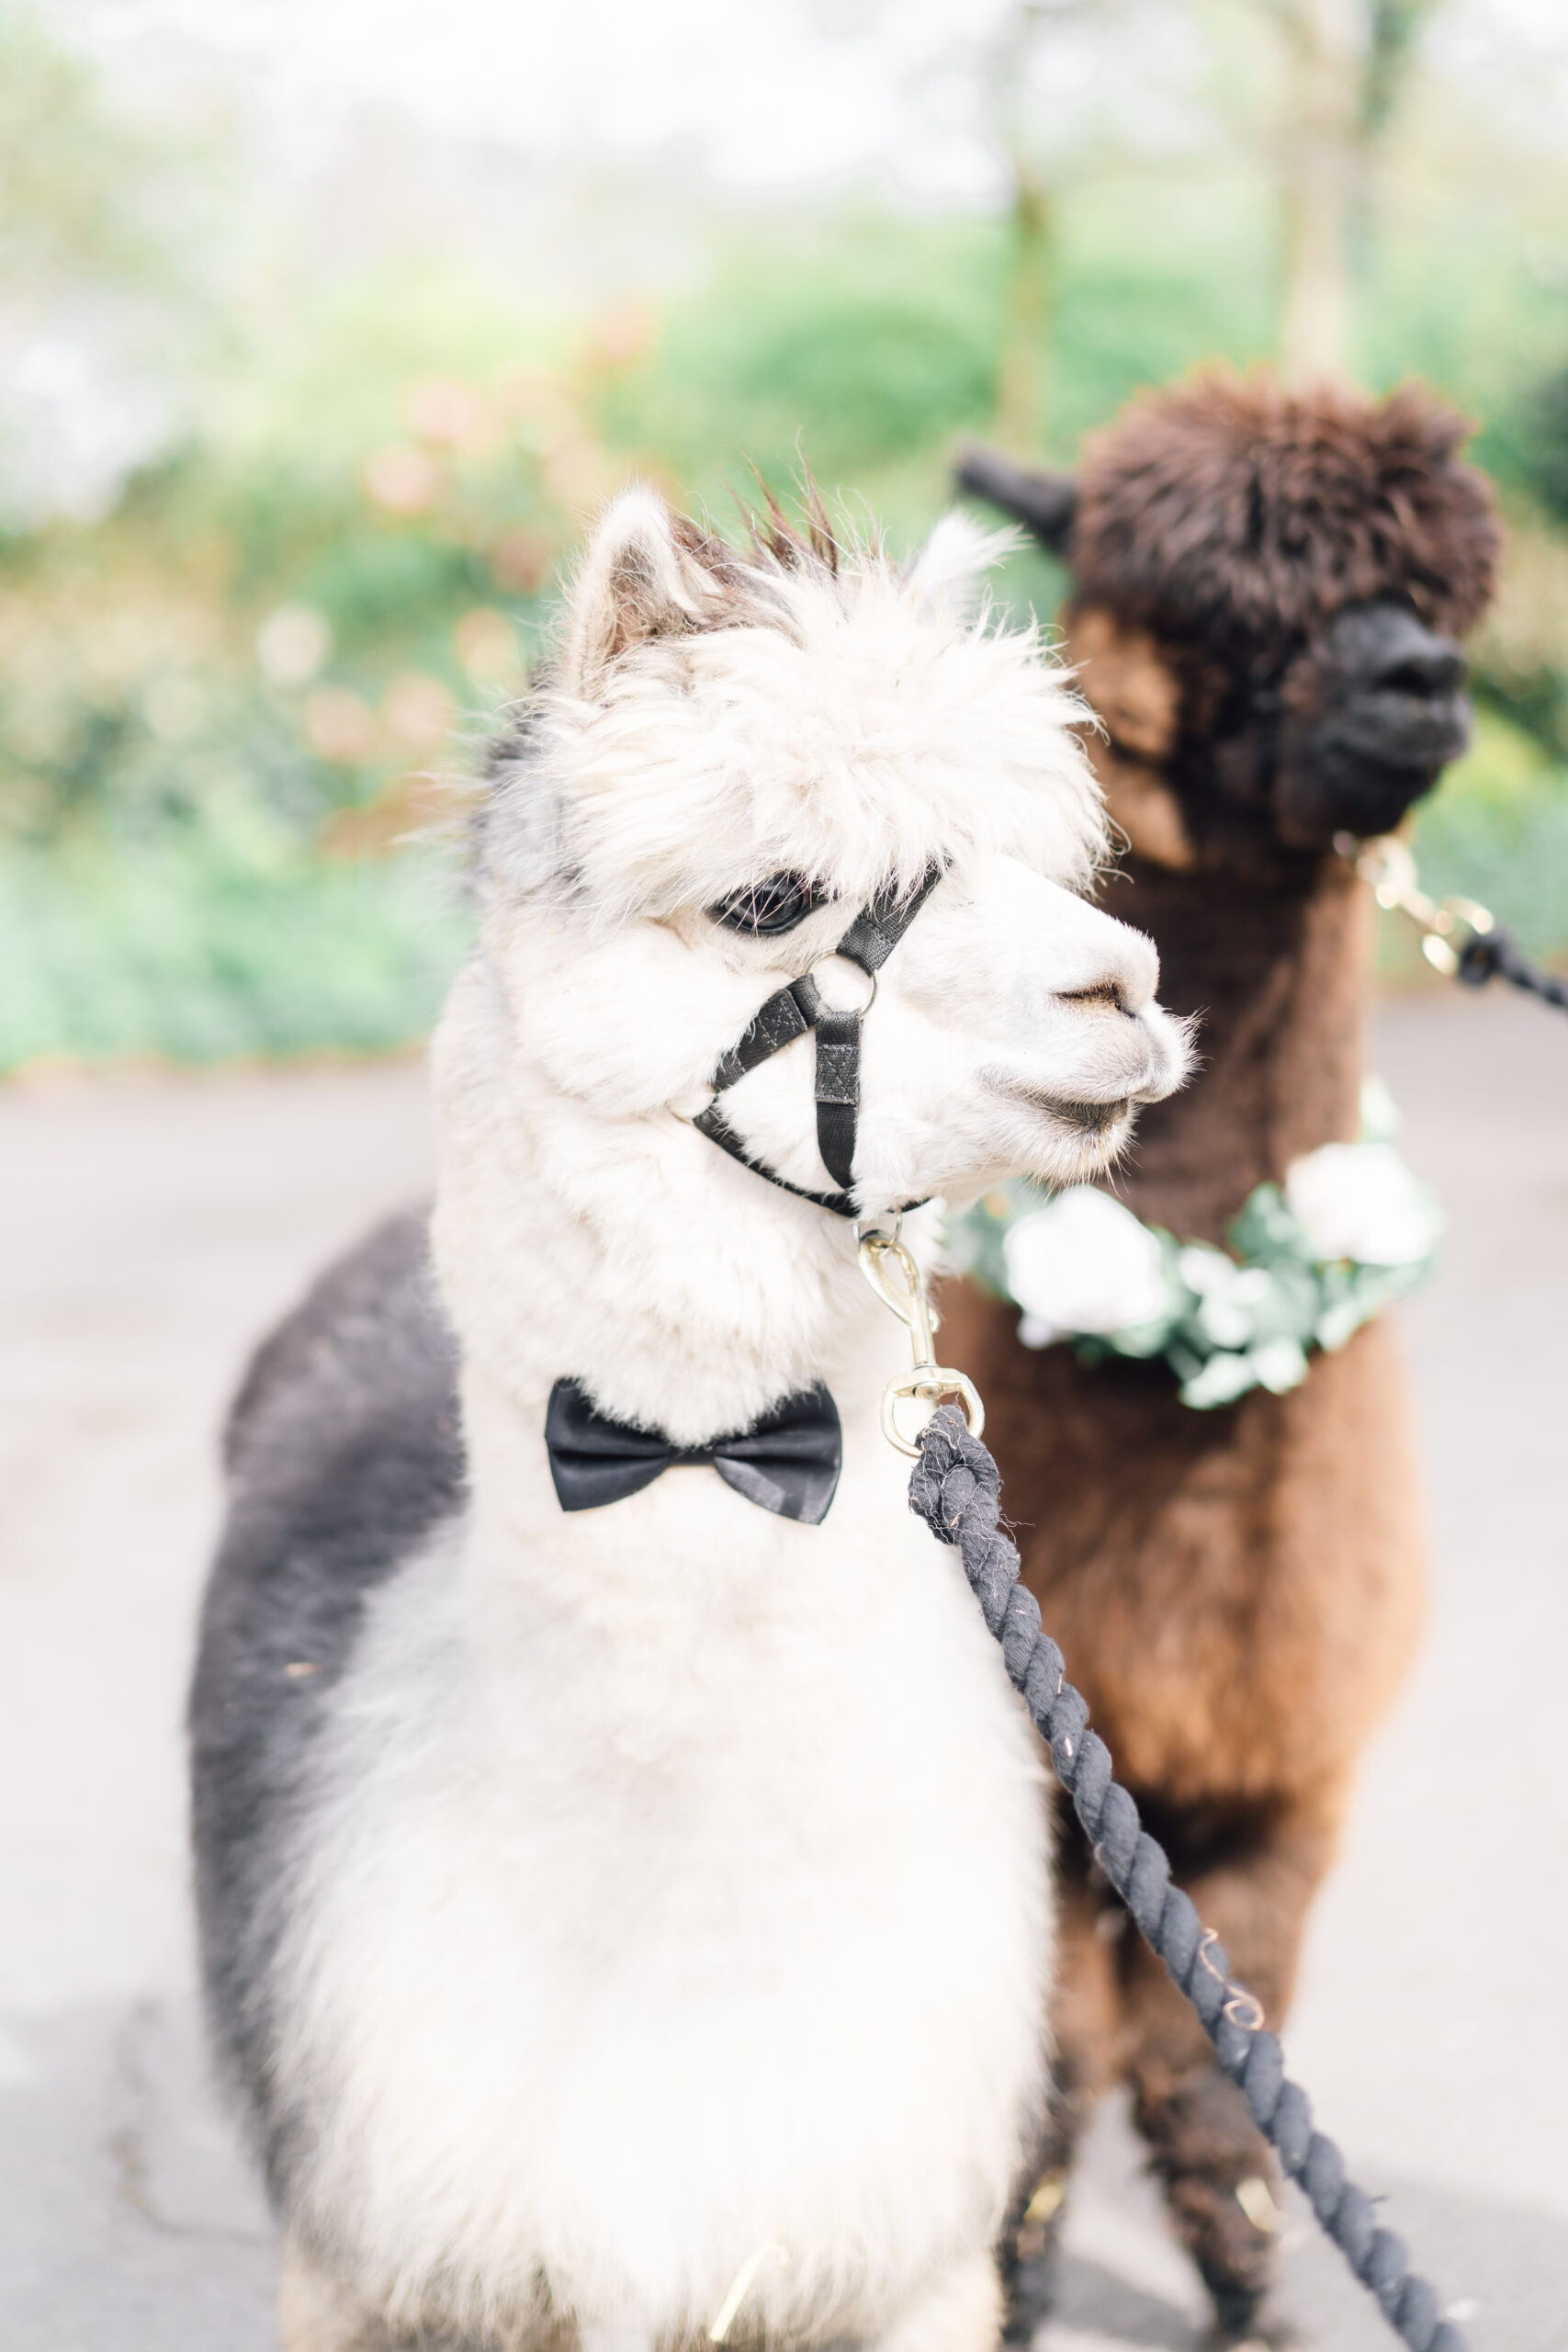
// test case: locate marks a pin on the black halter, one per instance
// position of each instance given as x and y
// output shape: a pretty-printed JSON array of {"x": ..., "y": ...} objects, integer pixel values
[{"x": 789, "y": 1014}]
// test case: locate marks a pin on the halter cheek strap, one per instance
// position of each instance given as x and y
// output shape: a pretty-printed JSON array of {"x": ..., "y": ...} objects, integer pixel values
[{"x": 788, "y": 1014}]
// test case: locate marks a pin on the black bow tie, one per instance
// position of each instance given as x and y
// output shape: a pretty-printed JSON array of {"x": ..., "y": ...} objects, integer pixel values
[{"x": 788, "y": 1462}]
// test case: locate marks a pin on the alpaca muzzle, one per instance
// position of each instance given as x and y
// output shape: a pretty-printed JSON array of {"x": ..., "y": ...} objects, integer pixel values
[{"x": 1389, "y": 714}]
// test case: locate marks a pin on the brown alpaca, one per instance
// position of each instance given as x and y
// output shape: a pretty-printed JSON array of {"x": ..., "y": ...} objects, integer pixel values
[{"x": 1265, "y": 591}]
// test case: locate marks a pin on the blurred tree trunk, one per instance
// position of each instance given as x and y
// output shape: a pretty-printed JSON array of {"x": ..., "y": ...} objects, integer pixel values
[
  {"x": 1392, "y": 34},
  {"x": 1021, "y": 368},
  {"x": 1018, "y": 424},
  {"x": 1326, "y": 61},
  {"x": 1344, "y": 63}
]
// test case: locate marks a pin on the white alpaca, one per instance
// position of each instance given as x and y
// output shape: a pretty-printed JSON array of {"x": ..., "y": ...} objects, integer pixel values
[{"x": 627, "y": 1915}]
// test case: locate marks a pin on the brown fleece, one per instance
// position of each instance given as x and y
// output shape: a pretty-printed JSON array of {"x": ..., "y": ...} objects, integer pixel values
[
  {"x": 1238, "y": 1592},
  {"x": 1235, "y": 512}
]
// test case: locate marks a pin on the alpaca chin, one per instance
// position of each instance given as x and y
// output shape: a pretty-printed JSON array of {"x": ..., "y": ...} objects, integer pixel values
[
  {"x": 1090, "y": 1146},
  {"x": 1095, "y": 1120},
  {"x": 1067, "y": 1138}
]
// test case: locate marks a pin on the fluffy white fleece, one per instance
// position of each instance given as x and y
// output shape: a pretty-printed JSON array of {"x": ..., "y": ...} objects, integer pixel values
[
  {"x": 676, "y": 1882},
  {"x": 848, "y": 725}
]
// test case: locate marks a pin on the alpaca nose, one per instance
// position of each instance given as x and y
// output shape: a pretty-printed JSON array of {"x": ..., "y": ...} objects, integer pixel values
[
  {"x": 1045, "y": 959},
  {"x": 1122, "y": 976},
  {"x": 1434, "y": 666},
  {"x": 1131, "y": 1050},
  {"x": 1393, "y": 714},
  {"x": 1383, "y": 649}
]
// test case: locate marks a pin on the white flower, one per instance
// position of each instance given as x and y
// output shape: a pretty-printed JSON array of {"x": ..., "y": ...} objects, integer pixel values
[
  {"x": 1083, "y": 1263},
  {"x": 1280, "y": 1364},
  {"x": 1359, "y": 1201},
  {"x": 1229, "y": 1296}
]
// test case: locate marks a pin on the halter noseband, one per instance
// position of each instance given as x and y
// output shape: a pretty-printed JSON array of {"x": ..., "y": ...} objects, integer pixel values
[{"x": 788, "y": 1014}]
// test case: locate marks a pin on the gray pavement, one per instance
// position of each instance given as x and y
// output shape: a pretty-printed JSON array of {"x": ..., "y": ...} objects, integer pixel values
[{"x": 153, "y": 1226}]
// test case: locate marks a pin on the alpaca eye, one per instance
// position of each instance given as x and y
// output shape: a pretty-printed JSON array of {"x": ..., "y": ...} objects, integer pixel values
[{"x": 775, "y": 905}]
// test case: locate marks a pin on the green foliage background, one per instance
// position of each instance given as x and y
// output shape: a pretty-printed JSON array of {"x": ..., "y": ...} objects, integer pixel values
[{"x": 199, "y": 842}]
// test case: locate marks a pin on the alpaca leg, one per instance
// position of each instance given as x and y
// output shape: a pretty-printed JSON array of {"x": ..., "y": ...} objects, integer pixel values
[
  {"x": 1252, "y": 1883},
  {"x": 1208, "y": 2158},
  {"x": 961, "y": 2312},
  {"x": 1084, "y": 2029}
]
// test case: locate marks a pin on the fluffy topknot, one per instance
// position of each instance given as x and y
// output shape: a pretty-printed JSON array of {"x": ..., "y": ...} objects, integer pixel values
[
  {"x": 718, "y": 715},
  {"x": 1236, "y": 511}
]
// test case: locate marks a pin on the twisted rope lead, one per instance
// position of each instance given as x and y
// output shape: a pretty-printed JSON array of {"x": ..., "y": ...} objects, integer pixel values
[
  {"x": 1489, "y": 952},
  {"x": 956, "y": 1489}
]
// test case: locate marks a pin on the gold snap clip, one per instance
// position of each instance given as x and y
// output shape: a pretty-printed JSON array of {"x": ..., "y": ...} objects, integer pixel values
[{"x": 893, "y": 1274}]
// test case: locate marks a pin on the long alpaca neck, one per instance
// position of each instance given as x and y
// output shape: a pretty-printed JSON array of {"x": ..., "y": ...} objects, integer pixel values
[{"x": 1279, "y": 977}]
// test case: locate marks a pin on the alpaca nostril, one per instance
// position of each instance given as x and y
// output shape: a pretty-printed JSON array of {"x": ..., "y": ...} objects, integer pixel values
[
  {"x": 1106, "y": 992},
  {"x": 1437, "y": 669}
]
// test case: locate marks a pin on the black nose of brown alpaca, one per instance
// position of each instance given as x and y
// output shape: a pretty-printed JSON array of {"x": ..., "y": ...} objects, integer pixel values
[
  {"x": 1416, "y": 663},
  {"x": 1392, "y": 713},
  {"x": 1392, "y": 689}
]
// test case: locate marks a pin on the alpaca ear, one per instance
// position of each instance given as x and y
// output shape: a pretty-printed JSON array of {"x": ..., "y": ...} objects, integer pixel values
[
  {"x": 946, "y": 573},
  {"x": 641, "y": 578},
  {"x": 1046, "y": 504}
]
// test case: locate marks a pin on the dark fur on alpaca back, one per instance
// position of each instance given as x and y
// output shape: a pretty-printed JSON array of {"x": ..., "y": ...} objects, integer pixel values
[{"x": 343, "y": 1451}]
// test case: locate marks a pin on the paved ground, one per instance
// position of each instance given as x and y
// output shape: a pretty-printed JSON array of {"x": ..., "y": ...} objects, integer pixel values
[{"x": 152, "y": 1228}]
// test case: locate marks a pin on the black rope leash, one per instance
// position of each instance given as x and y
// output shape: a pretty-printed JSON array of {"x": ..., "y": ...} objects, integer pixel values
[
  {"x": 1494, "y": 955},
  {"x": 955, "y": 1488}
]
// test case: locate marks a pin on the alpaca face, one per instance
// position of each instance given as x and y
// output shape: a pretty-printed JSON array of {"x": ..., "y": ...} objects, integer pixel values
[
  {"x": 736, "y": 755},
  {"x": 1342, "y": 734},
  {"x": 1269, "y": 588}
]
